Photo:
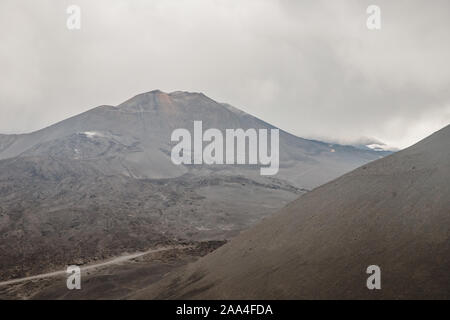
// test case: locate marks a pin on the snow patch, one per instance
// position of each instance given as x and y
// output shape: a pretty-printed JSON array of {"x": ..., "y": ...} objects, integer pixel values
[
  {"x": 92, "y": 134},
  {"x": 380, "y": 147}
]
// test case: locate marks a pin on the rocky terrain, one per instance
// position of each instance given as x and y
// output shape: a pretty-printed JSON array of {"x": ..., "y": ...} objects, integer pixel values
[
  {"x": 102, "y": 183},
  {"x": 113, "y": 281}
]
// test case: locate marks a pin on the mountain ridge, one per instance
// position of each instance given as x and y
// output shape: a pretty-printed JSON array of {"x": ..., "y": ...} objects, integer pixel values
[
  {"x": 393, "y": 212},
  {"x": 93, "y": 176}
]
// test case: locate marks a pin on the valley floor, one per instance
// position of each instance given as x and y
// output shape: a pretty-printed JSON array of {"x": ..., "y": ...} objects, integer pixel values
[{"x": 111, "y": 279}]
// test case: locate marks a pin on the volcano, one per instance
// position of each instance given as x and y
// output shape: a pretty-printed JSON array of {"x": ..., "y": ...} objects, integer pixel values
[{"x": 102, "y": 182}]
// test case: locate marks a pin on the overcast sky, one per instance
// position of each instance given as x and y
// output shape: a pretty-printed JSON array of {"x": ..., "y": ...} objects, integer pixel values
[{"x": 310, "y": 67}]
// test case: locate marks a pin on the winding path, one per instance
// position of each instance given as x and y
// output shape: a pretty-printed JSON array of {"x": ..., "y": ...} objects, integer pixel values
[{"x": 116, "y": 260}]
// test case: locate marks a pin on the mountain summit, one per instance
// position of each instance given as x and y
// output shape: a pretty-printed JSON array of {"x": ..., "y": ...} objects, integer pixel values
[
  {"x": 104, "y": 180},
  {"x": 141, "y": 128}
]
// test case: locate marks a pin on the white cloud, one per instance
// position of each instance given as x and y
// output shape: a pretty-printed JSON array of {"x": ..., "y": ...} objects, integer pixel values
[{"x": 310, "y": 67}]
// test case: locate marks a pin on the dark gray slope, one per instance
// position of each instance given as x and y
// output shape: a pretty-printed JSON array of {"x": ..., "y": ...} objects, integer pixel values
[
  {"x": 394, "y": 213},
  {"x": 143, "y": 126},
  {"x": 102, "y": 182}
]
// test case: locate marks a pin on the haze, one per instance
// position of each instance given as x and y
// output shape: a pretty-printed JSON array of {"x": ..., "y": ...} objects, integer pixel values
[{"x": 310, "y": 67}]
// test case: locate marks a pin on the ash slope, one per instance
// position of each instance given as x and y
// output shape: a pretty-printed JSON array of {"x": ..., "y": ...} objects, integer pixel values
[
  {"x": 394, "y": 213},
  {"x": 102, "y": 183},
  {"x": 133, "y": 139}
]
